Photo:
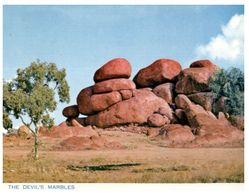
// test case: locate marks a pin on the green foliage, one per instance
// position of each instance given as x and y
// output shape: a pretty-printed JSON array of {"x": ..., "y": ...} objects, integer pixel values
[
  {"x": 7, "y": 123},
  {"x": 230, "y": 84},
  {"x": 32, "y": 94}
]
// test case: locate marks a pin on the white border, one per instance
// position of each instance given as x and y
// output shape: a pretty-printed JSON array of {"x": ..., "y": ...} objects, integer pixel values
[{"x": 117, "y": 189}]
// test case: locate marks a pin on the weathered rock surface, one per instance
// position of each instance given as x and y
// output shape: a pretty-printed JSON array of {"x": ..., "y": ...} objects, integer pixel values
[
  {"x": 182, "y": 101},
  {"x": 71, "y": 111},
  {"x": 113, "y": 85},
  {"x": 116, "y": 68},
  {"x": 100, "y": 102},
  {"x": 165, "y": 91},
  {"x": 205, "y": 99},
  {"x": 126, "y": 94},
  {"x": 157, "y": 120},
  {"x": 158, "y": 72},
  {"x": 134, "y": 110},
  {"x": 205, "y": 123},
  {"x": 196, "y": 78}
]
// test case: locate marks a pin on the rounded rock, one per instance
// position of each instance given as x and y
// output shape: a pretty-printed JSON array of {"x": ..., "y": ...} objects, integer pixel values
[
  {"x": 158, "y": 72},
  {"x": 71, "y": 111},
  {"x": 116, "y": 68}
]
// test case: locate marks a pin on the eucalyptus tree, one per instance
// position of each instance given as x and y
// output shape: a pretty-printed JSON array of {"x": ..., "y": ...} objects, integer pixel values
[{"x": 32, "y": 95}]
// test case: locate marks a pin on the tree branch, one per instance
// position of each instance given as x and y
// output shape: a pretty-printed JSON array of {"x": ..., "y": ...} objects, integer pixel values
[
  {"x": 28, "y": 125},
  {"x": 56, "y": 85}
]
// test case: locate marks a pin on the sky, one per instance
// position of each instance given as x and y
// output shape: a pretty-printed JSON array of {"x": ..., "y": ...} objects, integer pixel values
[{"x": 83, "y": 38}]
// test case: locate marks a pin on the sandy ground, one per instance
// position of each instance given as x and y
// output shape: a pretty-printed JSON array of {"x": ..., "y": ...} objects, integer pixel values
[{"x": 157, "y": 164}]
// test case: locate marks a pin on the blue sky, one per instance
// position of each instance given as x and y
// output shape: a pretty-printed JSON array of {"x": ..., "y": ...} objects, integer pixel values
[{"x": 82, "y": 38}]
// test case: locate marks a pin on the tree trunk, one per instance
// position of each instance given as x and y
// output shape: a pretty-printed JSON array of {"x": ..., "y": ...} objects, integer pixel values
[{"x": 36, "y": 147}]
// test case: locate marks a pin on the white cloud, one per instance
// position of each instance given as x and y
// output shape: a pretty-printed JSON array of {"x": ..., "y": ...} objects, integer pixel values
[{"x": 228, "y": 46}]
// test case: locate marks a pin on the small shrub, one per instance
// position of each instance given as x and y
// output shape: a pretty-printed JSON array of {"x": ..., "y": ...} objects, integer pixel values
[{"x": 230, "y": 84}]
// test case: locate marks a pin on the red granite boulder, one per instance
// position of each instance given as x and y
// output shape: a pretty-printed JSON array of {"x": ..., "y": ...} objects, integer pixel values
[
  {"x": 165, "y": 91},
  {"x": 116, "y": 68},
  {"x": 89, "y": 103},
  {"x": 113, "y": 85},
  {"x": 204, "y": 64},
  {"x": 71, "y": 111},
  {"x": 196, "y": 78},
  {"x": 158, "y": 72}
]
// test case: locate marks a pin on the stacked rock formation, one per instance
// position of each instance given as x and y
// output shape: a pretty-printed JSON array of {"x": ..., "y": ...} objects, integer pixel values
[
  {"x": 114, "y": 100},
  {"x": 160, "y": 95}
]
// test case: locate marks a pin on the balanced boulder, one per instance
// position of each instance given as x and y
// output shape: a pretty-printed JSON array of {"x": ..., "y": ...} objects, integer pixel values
[
  {"x": 158, "y": 72},
  {"x": 113, "y": 85},
  {"x": 116, "y": 68}
]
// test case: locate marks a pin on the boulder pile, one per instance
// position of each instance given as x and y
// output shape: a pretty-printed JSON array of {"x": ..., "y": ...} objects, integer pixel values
[{"x": 160, "y": 95}]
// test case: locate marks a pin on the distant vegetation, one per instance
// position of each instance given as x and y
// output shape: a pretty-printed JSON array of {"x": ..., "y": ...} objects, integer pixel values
[
  {"x": 30, "y": 97},
  {"x": 230, "y": 84}
]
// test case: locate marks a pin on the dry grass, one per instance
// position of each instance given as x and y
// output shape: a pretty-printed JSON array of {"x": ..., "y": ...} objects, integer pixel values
[
  {"x": 52, "y": 170},
  {"x": 158, "y": 164}
]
